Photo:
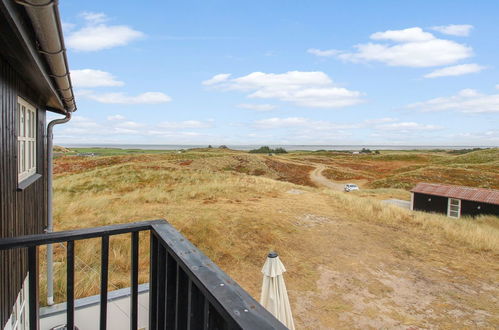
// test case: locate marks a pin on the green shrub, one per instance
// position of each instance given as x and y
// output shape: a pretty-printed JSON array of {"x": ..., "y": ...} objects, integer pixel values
[{"x": 267, "y": 150}]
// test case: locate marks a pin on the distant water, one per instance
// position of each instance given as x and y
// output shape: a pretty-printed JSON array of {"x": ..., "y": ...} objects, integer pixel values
[{"x": 287, "y": 147}]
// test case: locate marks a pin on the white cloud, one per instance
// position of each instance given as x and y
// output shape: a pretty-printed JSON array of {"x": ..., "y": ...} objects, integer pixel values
[
  {"x": 80, "y": 128},
  {"x": 324, "y": 125},
  {"x": 186, "y": 124},
  {"x": 323, "y": 53},
  {"x": 282, "y": 122},
  {"x": 79, "y": 125},
  {"x": 129, "y": 124},
  {"x": 407, "y": 126},
  {"x": 216, "y": 79},
  {"x": 115, "y": 118},
  {"x": 176, "y": 134},
  {"x": 488, "y": 137},
  {"x": 83, "y": 122},
  {"x": 410, "y": 47},
  {"x": 96, "y": 35},
  {"x": 414, "y": 34},
  {"x": 93, "y": 78},
  {"x": 307, "y": 89},
  {"x": 462, "y": 30},
  {"x": 300, "y": 122},
  {"x": 94, "y": 17},
  {"x": 298, "y": 130},
  {"x": 369, "y": 122},
  {"x": 467, "y": 101},
  {"x": 257, "y": 107},
  {"x": 121, "y": 130},
  {"x": 67, "y": 27},
  {"x": 121, "y": 98},
  {"x": 456, "y": 70}
]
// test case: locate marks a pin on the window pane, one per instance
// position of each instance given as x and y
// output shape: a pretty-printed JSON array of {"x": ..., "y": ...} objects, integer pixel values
[
  {"x": 28, "y": 125},
  {"x": 23, "y": 155},
  {"x": 22, "y": 320},
  {"x": 454, "y": 201},
  {"x": 14, "y": 315},
  {"x": 18, "y": 118},
  {"x": 33, "y": 154},
  {"x": 33, "y": 124},
  {"x": 22, "y": 121},
  {"x": 454, "y": 208},
  {"x": 19, "y": 157},
  {"x": 29, "y": 155}
]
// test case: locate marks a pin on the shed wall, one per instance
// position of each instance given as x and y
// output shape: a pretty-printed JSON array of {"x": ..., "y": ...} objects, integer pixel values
[
  {"x": 470, "y": 208},
  {"x": 21, "y": 212},
  {"x": 430, "y": 203}
]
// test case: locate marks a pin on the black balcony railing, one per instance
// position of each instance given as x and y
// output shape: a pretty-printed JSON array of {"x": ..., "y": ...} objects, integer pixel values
[{"x": 186, "y": 289}]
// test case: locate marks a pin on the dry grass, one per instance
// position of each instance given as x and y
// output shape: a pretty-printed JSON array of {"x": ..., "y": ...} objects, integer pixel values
[
  {"x": 353, "y": 262},
  {"x": 402, "y": 170},
  {"x": 476, "y": 234},
  {"x": 294, "y": 173},
  {"x": 383, "y": 193}
]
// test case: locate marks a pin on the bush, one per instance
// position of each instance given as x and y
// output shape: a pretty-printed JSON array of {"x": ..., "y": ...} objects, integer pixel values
[
  {"x": 462, "y": 151},
  {"x": 267, "y": 150}
]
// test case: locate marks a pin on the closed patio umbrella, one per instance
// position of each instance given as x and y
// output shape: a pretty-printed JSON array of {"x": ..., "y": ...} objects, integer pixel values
[{"x": 274, "y": 295}]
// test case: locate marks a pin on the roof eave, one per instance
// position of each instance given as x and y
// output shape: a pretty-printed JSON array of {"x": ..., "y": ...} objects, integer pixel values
[{"x": 31, "y": 64}]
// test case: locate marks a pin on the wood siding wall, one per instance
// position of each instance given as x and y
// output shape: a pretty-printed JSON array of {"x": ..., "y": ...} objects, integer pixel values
[
  {"x": 470, "y": 208},
  {"x": 439, "y": 204},
  {"x": 430, "y": 203},
  {"x": 22, "y": 212}
]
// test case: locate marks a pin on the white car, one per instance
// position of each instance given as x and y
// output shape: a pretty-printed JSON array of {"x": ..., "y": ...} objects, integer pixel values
[{"x": 351, "y": 187}]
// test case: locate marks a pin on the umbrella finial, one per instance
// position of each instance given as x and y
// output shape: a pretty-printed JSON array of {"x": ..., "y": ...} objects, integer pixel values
[{"x": 273, "y": 254}]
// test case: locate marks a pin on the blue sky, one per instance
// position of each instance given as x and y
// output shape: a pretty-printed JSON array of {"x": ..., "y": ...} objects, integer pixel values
[{"x": 283, "y": 72}]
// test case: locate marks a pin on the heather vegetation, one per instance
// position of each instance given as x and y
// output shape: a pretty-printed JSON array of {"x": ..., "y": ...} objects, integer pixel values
[{"x": 351, "y": 259}]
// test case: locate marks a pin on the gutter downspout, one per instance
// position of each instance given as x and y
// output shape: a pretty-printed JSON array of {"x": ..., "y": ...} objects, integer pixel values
[{"x": 50, "y": 220}]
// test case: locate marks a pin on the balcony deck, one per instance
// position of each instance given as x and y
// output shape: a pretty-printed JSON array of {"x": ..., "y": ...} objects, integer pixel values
[{"x": 186, "y": 289}]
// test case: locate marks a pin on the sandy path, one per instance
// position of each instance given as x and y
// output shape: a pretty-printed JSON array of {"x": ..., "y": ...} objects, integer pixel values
[{"x": 317, "y": 178}]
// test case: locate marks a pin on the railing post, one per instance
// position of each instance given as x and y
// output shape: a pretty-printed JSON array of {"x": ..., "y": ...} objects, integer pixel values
[
  {"x": 182, "y": 302},
  {"x": 33, "y": 298},
  {"x": 161, "y": 307},
  {"x": 70, "y": 278},
  {"x": 153, "y": 281},
  {"x": 206, "y": 314},
  {"x": 103, "y": 281},
  {"x": 195, "y": 303},
  {"x": 135, "y": 281},
  {"x": 171, "y": 291}
]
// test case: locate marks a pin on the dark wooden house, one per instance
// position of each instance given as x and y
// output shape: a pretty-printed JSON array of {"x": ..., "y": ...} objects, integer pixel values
[
  {"x": 33, "y": 79},
  {"x": 454, "y": 201},
  {"x": 186, "y": 289}
]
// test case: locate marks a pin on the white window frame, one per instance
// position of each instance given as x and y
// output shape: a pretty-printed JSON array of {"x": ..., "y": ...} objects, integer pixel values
[
  {"x": 449, "y": 209},
  {"x": 19, "y": 318},
  {"x": 26, "y": 139}
]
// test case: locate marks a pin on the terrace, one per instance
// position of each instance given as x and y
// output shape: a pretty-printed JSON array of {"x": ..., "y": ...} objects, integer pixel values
[{"x": 186, "y": 289}]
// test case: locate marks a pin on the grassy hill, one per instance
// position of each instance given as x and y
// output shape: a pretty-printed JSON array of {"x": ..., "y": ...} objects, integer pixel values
[
  {"x": 352, "y": 261},
  {"x": 403, "y": 169}
]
